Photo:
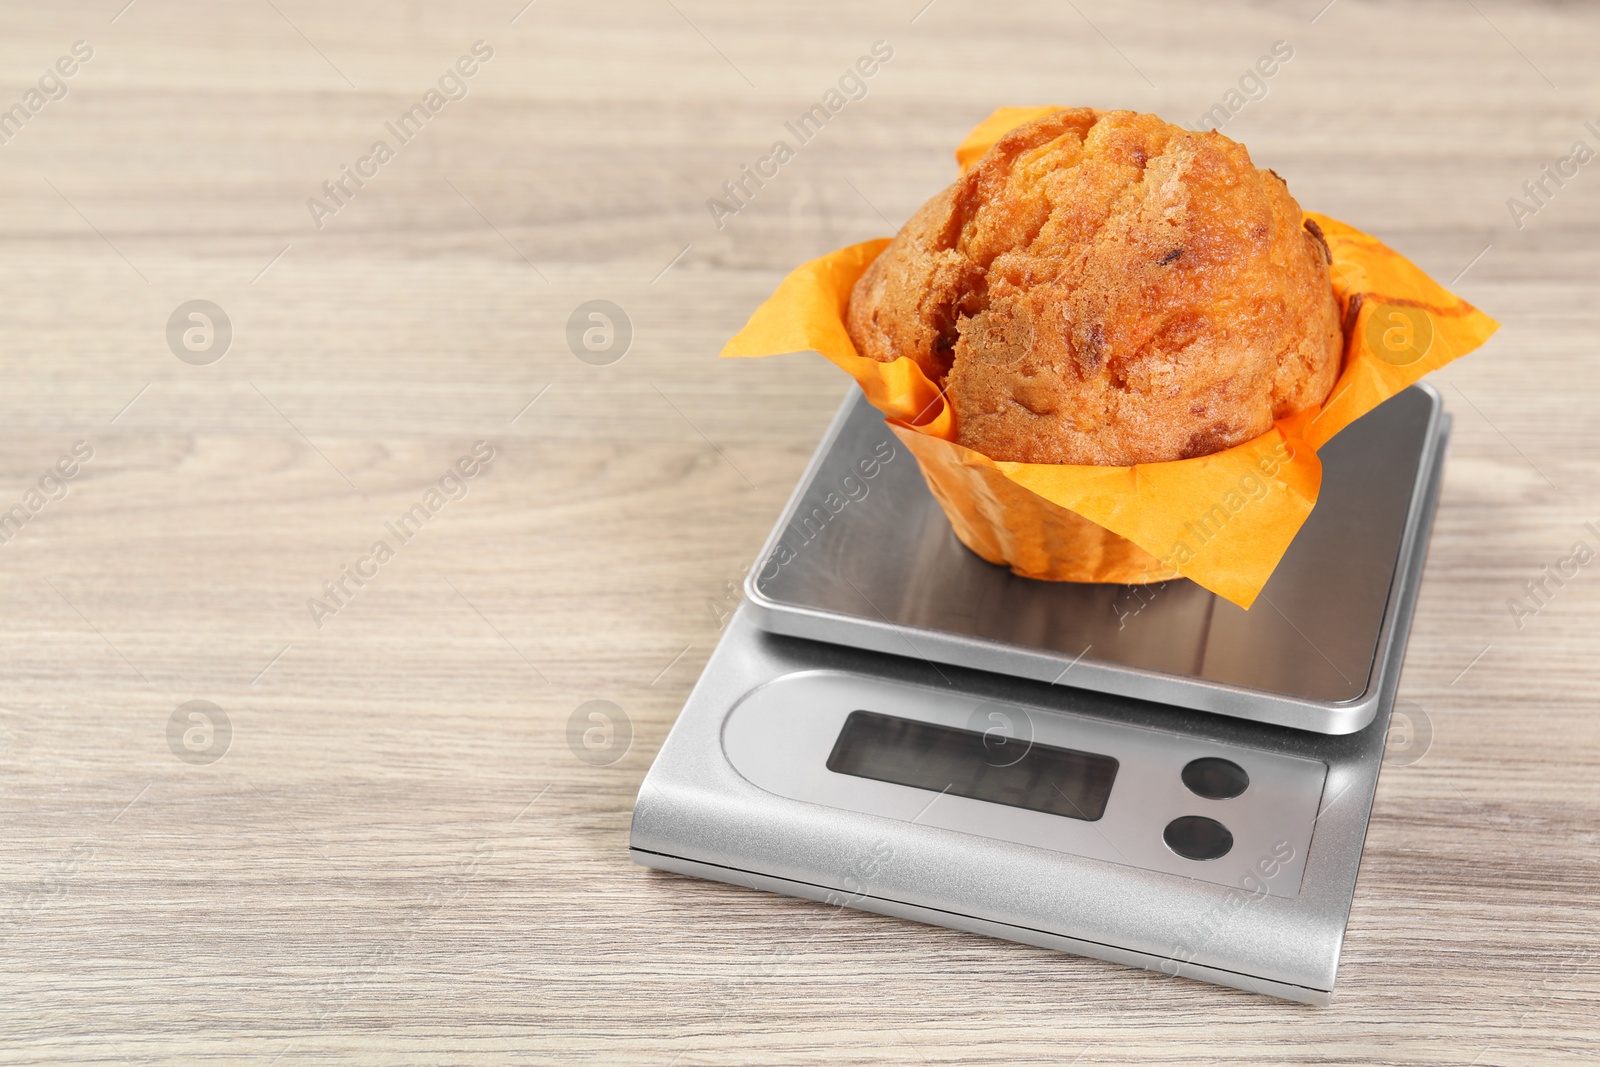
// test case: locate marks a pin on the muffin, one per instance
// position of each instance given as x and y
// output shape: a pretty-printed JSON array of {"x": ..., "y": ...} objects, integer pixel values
[{"x": 1107, "y": 288}]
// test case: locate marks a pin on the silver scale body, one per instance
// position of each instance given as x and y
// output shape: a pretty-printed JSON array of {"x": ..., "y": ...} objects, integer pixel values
[{"x": 878, "y": 608}]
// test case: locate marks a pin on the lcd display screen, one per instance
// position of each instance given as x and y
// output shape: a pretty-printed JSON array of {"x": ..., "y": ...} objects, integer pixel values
[{"x": 1056, "y": 781}]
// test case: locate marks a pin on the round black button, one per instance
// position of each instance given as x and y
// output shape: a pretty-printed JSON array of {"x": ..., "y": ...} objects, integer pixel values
[
  {"x": 1215, "y": 779},
  {"x": 1195, "y": 837}
]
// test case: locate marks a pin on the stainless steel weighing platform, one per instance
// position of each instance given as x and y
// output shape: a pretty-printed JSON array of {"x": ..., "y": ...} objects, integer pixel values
[{"x": 1149, "y": 775}]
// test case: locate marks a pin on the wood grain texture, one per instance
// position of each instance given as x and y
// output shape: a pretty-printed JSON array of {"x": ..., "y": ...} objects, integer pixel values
[{"x": 399, "y": 859}]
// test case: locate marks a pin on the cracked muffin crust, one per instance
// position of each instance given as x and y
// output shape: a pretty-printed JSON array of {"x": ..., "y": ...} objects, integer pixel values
[{"x": 1107, "y": 288}]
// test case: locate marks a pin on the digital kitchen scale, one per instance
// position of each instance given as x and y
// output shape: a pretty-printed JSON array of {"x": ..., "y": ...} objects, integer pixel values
[{"x": 1144, "y": 774}]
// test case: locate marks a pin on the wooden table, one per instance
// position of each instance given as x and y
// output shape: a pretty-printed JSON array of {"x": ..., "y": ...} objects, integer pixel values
[{"x": 378, "y": 843}]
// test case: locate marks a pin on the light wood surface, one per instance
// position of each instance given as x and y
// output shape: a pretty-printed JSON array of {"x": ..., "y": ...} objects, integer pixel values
[{"x": 399, "y": 858}]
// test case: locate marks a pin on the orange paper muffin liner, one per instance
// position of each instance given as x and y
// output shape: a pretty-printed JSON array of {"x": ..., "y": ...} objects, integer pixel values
[{"x": 1223, "y": 520}]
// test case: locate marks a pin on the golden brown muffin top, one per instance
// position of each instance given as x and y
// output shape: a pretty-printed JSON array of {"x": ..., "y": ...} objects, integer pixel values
[{"x": 1107, "y": 288}]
